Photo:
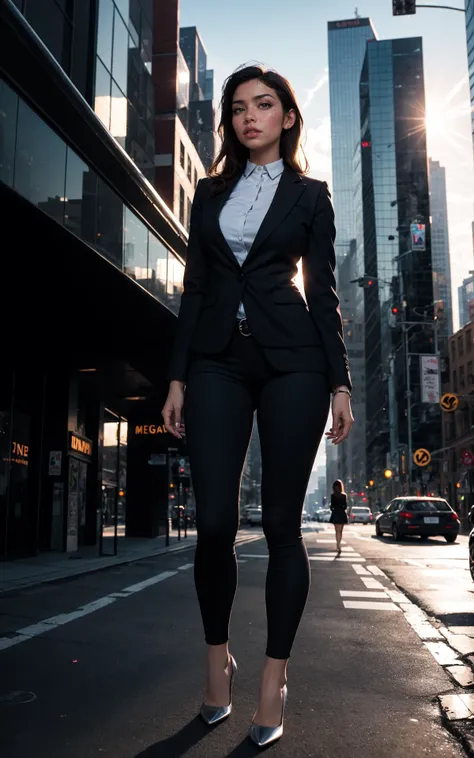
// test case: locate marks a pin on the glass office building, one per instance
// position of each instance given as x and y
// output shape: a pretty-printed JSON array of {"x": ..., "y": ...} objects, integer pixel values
[
  {"x": 440, "y": 249},
  {"x": 470, "y": 53},
  {"x": 347, "y": 42},
  {"x": 395, "y": 194},
  {"x": 91, "y": 279}
]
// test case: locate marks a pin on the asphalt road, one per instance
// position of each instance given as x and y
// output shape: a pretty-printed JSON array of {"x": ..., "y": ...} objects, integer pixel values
[{"x": 118, "y": 668}]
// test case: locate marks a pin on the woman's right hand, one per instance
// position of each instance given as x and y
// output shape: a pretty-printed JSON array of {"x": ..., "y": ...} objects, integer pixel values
[{"x": 173, "y": 408}]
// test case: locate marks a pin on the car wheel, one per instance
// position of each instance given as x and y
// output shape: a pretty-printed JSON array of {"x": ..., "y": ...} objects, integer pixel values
[
  {"x": 378, "y": 530},
  {"x": 395, "y": 533},
  {"x": 450, "y": 537},
  {"x": 471, "y": 561}
]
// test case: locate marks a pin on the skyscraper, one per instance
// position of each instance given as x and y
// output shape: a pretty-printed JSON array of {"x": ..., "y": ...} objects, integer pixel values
[
  {"x": 347, "y": 41},
  {"x": 466, "y": 301},
  {"x": 470, "y": 53},
  {"x": 395, "y": 195},
  {"x": 440, "y": 246}
]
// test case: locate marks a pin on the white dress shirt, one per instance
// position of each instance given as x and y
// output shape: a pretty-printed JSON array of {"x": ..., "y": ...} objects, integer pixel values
[{"x": 247, "y": 206}]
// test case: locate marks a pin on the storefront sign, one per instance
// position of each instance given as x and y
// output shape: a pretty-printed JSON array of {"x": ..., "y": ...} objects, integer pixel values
[
  {"x": 80, "y": 446},
  {"x": 150, "y": 429},
  {"x": 19, "y": 454},
  {"x": 418, "y": 236},
  {"x": 55, "y": 460},
  {"x": 429, "y": 373}
]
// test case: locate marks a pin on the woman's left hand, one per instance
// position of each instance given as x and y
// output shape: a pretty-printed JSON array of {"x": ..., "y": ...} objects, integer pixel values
[{"x": 342, "y": 418}]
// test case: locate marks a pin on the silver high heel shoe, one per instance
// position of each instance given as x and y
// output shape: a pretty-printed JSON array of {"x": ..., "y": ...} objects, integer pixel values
[
  {"x": 214, "y": 714},
  {"x": 262, "y": 736}
]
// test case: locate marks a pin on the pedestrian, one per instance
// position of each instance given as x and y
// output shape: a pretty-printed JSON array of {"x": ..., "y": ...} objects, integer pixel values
[
  {"x": 338, "y": 511},
  {"x": 246, "y": 341}
]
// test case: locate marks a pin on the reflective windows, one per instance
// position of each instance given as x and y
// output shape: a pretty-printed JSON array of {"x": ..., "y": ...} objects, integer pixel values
[
  {"x": 76, "y": 171},
  {"x": 135, "y": 248},
  {"x": 105, "y": 32},
  {"x": 102, "y": 105},
  {"x": 175, "y": 282},
  {"x": 8, "y": 119},
  {"x": 118, "y": 115},
  {"x": 157, "y": 268},
  {"x": 120, "y": 53},
  {"x": 40, "y": 164}
]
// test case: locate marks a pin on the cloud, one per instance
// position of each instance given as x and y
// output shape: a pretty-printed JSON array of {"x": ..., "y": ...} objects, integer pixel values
[
  {"x": 317, "y": 147},
  {"x": 310, "y": 93},
  {"x": 457, "y": 199}
]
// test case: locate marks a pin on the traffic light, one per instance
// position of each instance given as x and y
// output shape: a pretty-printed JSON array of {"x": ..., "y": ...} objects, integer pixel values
[
  {"x": 367, "y": 282},
  {"x": 403, "y": 7}
]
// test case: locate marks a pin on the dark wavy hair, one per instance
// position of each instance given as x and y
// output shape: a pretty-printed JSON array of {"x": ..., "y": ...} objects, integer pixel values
[
  {"x": 338, "y": 483},
  {"x": 232, "y": 157}
]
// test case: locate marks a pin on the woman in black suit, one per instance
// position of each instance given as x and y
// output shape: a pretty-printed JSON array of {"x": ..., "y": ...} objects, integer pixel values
[
  {"x": 248, "y": 341},
  {"x": 338, "y": 511}
]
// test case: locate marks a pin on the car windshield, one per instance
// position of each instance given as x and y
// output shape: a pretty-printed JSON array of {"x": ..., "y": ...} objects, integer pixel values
[
  {"x": 358, "y": 509},
  {"x": 427, "y": 505}
]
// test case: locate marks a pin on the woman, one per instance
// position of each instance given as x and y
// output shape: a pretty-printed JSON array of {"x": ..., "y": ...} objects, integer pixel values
[
  {"x": 245, "y": 342},
  {"x": 338, "y": 511}
]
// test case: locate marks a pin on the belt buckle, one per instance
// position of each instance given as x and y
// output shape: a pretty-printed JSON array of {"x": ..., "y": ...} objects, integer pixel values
[{"x": 242, "y": 326}]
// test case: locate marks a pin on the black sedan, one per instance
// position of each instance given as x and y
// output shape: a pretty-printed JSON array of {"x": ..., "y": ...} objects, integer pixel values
[{"x": 425, "y": 516}]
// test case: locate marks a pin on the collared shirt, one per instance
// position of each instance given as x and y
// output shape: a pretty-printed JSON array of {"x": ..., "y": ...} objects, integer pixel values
[{"x": 247, "y": 206}]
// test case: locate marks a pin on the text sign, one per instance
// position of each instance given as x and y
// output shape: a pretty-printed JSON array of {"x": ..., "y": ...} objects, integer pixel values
[{"x": 80, "y": 446}]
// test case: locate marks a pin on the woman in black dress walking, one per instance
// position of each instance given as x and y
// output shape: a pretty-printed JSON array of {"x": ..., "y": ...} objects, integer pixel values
[{"x": 339, "y": 511}]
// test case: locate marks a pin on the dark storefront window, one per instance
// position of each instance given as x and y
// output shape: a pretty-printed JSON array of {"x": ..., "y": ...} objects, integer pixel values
[
  {"x": 40, "y": 165},
  {"x": 135, "y": 248},
  {"x": 8, "y": 123}
]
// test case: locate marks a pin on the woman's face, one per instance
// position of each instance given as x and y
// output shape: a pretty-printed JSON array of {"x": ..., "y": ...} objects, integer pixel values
[
  {"x": 337, "y": 489},
  {"x": 258, "y": 117}
]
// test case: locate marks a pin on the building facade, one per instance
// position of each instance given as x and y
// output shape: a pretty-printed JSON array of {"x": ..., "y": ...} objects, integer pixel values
[
  {"x": 347, "y": 42},
  {"x": 458, "y": 437},
  {"x": 96, "y": 279},
  {"x": 470, "y": 53},
  {"x": 466, "y": 301},
  {"x": 201, "y": 116},
  {"x": 440, "y": 248},
  {"x": 395, "y": 193}
]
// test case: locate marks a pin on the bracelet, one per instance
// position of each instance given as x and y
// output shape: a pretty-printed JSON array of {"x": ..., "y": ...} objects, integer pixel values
[{"x": 344, "y": 391}]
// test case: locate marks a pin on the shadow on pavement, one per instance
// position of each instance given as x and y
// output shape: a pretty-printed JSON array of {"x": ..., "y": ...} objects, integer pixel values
[{"x": 190, "y": 735}]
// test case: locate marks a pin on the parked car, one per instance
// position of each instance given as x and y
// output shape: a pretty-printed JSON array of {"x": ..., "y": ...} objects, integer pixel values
[
  {"x": 254, "y": 516},
  {"x": 360, "y": 514},
  {"x": 305, "y": 517},
  {"x": 471, "y": 543},
  {"x": 325, "y": 514},
  {"x": 425, "y": 516}
]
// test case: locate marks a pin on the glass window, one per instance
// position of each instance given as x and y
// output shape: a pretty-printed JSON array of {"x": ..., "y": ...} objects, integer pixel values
[
  {"x": 105, "y": 32},
  {"x": 135, "y": 248},
  {"x": 40, "y": 164},
  {"x": 455, "y": 381},
  {"x": 118, "y": 115},
  {"x": 190, "y": 170},
  {"x": 102, "y": 218},
  {"x": 52, "y": 26},
  {"x": 468, "y": 341},
  {"x": 195, "y": 178},
  {"x": 120, "y": 53},
  {"x": 102, "y": 94},
  {"x": 123, "y": 6},
  {"x": 469, "y": 373},
  {"x": 157, "y": 267},
  {"x": 175, "y": 282},
  {"x": 460, "y": 346},
  {"x": 76, "y": 171},
  {"x": 453, "y": 349},
  {"x": 8, "y": 121},
  {"x": 462, "y": 381},
  {"x": 181, "y": 154},
  {"x": 181, "y": 205},
  {"x": 188, "y": 214}
]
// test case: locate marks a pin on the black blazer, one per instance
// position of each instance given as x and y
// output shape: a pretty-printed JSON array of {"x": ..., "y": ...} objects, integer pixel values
[
  {"x": 293, "y": 335},
  {"x": 339, "y": 502}
]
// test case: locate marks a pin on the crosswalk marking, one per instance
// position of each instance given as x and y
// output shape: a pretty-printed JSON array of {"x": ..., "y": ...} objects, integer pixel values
[
  {"x": 372, "y": 584},
  {"x": 361, "y": 593},
  {"x": 366, "y": 605},
  {"x": 360, "y": 570},
  {"x": 336, "y": 560},
  {"x": 375, "y": 571}
]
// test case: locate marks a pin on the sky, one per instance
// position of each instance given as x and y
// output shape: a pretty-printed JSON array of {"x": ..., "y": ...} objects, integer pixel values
[{"x": 291, "y": 37}]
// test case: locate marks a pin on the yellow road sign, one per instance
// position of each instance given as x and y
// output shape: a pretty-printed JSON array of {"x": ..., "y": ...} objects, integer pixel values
[
  {"x": 449, "y": 402},
  {"x": 422, "y": 457}
]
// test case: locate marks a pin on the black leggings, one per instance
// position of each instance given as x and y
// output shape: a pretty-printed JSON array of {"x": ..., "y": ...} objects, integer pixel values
[{"x": 292, "y": 408}]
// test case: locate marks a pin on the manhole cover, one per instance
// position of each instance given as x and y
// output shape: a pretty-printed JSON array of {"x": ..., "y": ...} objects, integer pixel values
[{"x": 17, "y": 697}]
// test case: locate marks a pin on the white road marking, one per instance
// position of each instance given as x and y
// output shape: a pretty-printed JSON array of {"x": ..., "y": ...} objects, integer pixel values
[
  {"x": 240, "y": 561},
  {"x": 343, "y": 542},
  {"x": 362, "y": 593},
  {"x": 185, "y": 567},
  {"x": 376, "y": 571},
  {"x": 336, "y": 560},
  {"x": 252, "y": 555},
  {"x": 47, "y": 625},
  {"x": 372, "y": 584},
  {"x": 368, "y": 606},
  {"x": 360, "y": 570}
]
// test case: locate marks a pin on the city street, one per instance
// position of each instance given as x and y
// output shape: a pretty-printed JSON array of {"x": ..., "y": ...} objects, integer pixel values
[{"x": 117, "y": 669}]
